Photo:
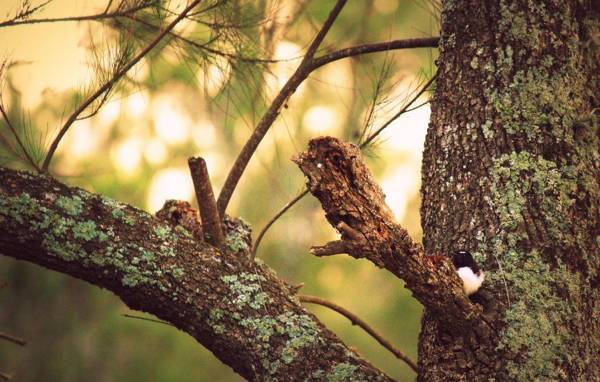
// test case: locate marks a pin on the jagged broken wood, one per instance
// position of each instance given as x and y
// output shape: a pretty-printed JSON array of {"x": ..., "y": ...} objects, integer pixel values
[{"x": 355, "y": 205}]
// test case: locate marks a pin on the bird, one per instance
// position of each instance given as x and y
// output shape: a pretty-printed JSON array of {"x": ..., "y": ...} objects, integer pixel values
[{"x": 468, "y": 270}]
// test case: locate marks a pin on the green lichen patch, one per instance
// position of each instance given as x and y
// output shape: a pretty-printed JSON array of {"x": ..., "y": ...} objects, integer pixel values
[
  {"x": 247, "y": 291},
  {"x": 535, "y": 333},
  {"x": 523, "y": 178},
  {"x": 342, "y": 372},
  {"x": 71, "y": 205},
  {"x": 76, "y": 238}
]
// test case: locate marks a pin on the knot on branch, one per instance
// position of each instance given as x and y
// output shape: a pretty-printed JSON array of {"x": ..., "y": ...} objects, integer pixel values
[{"x": 181, "y": 215}]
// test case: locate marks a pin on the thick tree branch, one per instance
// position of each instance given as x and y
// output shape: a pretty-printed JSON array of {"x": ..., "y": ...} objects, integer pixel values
[
  {"x": 235, "y": 307},
  {"x": 355, "y": 205}
]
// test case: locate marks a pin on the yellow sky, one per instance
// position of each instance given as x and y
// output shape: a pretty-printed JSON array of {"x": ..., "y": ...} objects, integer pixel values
[{"x": 54, "y": 50}]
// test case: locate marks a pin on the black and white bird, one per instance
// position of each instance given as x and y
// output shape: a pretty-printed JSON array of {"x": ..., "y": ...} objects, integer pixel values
[{"x": 468, "y": 270}]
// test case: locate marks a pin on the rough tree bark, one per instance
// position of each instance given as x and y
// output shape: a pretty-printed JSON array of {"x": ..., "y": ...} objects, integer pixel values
[
  {"x": 510, "y": 172},
  {"x": 235, "y": 307}
]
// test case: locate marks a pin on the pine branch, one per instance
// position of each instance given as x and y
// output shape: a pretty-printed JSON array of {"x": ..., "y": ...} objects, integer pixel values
[
  {"x": 355, "y": 320},
  {"x": 16, "y": 21},
  {"x": 108, "y": 85},
  {"x": 17, "y": 137},
  {"x": 405, "y": 109},
  {"x": 428, "y": 42}
]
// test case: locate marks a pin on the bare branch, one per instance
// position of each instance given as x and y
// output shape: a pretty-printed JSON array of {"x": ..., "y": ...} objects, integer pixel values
[
  {"x": 5, "y": 376},
  {"x": 336, "y": 247},
  {"x": 267, "y": 120},
  {"x": 427, "y": 42},
  {"x": 111, "y": 82},
  {"x": 13, "y": 339},
  {"x": 211, "y": 222},
  {"x": 274, "y": 219},
  {"x": 355, "y": 320}
]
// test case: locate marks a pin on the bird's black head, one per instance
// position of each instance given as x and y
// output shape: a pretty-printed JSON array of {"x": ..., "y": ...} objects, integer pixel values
[{"x": 464, "y": 259}]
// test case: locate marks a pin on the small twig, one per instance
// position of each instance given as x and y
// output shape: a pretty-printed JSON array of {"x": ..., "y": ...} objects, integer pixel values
[
  {"x": 17, "y": 138},
  {"x": 148, "y": 319},
  {"x": 357, "y": 321},
  {"x": 399, "y": 113},
  {"x": 13, "y": 339},
  {"x": 5, "y": 376},
  {"x": 108, "y": 85},
  {"x": 274, "y": 219},
  {"x": 336, "y": 247},
  {"x": 266, "y": 121},
  {"x": 211, "y": 222}
]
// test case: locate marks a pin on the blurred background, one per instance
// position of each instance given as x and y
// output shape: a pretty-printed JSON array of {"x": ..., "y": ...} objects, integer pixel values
[{"x": 183, "y": 100}]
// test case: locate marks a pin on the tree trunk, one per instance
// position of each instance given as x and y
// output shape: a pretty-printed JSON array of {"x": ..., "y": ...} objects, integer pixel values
[{"x": 510, "y": 173}]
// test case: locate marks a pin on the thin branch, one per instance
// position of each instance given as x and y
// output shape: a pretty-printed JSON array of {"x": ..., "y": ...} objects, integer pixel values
[
  {"x": 274, "y": 219},
  {"x": 427, "y": 42},
  {"x": 266, "y": 121},
  {"x": 111, "y": 82},
  {"x": 17, "y": 138},
  {"x": 5, "y": 376},
  {"x": 357, "y": 321},
  {"x": 95, "y": 17},
  {"x": 211, "y": 222},
  {"x": 13, "y": 339},
  {"x": 148, "y": 319}
]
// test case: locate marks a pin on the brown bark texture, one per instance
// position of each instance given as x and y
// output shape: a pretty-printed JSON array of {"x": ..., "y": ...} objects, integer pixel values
[
  {"x": 510, "y": 173},
  {"x": 235, "y": 307}
]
